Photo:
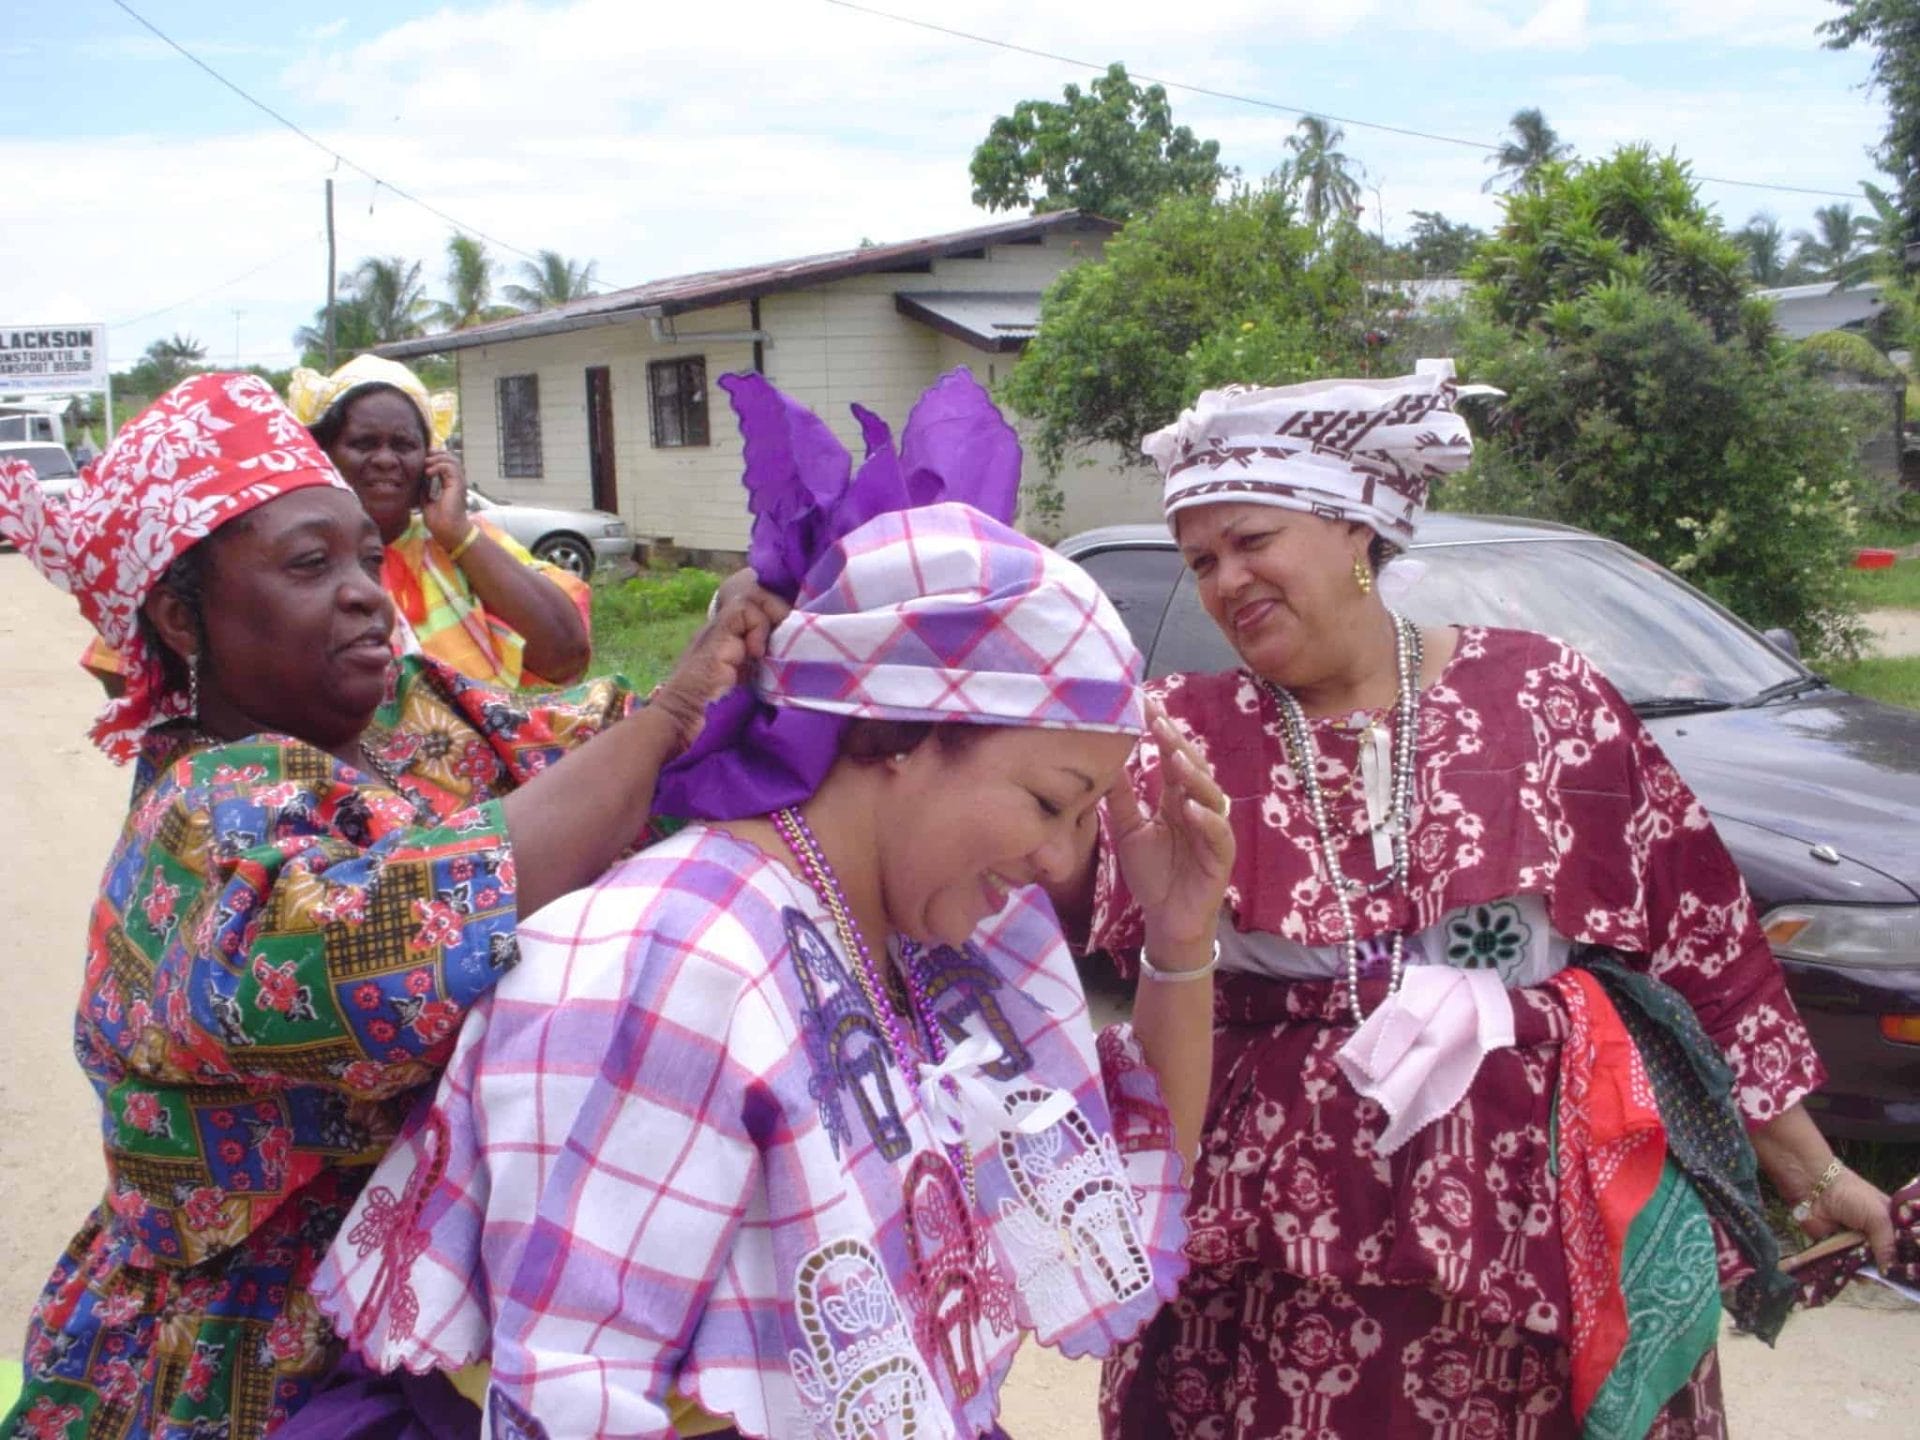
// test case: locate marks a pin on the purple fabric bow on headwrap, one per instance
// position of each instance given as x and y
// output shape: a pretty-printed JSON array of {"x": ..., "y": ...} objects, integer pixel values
[{"x": 805, "y": 496}]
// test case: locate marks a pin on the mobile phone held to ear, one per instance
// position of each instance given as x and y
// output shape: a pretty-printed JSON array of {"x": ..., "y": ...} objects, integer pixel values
[{"x": 434, "y": 486}]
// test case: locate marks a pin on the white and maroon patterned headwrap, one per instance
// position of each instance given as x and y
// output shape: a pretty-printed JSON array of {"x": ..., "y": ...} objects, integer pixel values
[
  {"x": 945, "y": 614},
  {"x": 1361, "y": 450},
  {"x": 206, "y": 452}
]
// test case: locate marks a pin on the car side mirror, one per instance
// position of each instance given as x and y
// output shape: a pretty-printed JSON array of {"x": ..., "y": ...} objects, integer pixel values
[{"x": 1782, "y": 639}]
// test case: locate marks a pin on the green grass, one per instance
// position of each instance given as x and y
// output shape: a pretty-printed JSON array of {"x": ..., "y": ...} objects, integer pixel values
[
  {"x": 1895, "y": 681},
  {"x": 641, "y": 626},
  {"x": 1895, "y": 588}
]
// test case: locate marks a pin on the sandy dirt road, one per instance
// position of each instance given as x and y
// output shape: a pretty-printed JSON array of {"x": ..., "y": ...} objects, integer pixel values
[{"x": 1852, "y": 1370}]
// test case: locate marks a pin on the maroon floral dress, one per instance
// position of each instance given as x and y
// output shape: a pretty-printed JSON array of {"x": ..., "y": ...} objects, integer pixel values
[{"x": 1335, "y": 1292}]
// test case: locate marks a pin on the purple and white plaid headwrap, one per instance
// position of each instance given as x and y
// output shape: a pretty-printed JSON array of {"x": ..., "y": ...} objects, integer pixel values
[
  {"x": 961, "y": 618},
  {"x": 944, "y": 614}
]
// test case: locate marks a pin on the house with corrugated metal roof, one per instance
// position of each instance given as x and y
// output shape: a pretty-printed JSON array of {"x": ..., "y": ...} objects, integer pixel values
[{"x": 608, "y": 401}]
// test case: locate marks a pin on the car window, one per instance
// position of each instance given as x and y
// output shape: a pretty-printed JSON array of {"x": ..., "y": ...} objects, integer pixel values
[
  {"x": 1189, "y": 640},
  {"x": 1137, "y": 580},
  {"x": 50, "y": 462},
  {"x": 1651, "y": 635}
]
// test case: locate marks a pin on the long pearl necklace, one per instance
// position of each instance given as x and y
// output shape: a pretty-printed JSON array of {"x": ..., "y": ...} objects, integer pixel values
[
  {"x": 807, "y": 854},
  {"x": 1304, "y": 759}
]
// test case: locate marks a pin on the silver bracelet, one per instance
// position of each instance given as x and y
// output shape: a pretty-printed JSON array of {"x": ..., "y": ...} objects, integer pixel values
[{"x": 1179, "y": 977}]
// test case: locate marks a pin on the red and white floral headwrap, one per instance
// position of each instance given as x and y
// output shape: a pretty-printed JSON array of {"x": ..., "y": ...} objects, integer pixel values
[
  {"x": 208, "y": 451},
  {"x": 1362, "y": 450}
]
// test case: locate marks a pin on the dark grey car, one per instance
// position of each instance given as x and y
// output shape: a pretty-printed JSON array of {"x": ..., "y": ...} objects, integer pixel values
[{"x": 1815, "y": 791}]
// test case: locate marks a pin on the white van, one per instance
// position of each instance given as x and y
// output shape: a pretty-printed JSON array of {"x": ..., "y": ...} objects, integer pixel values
[{"x": 22, "y": 422}]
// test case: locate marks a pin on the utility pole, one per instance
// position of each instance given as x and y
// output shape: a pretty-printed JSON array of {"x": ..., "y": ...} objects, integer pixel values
[{"x": 330, "y": 274}]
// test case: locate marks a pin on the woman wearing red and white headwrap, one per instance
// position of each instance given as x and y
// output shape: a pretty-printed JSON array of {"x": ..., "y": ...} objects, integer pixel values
[
  {"x": 1440, "y": 1192},
  {"x": 795, "y": 1127},
  {"x": 325, "y": 858}
]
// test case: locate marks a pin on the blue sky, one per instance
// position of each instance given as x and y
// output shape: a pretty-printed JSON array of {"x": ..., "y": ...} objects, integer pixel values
[{"x": 661, "y": 139}]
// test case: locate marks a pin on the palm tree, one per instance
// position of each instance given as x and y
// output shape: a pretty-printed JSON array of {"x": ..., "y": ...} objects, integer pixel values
[
  {"x": 173, "y": 357},
  {"x": 1889, "y": 225},
  {"x": 1535, "y": 143},
  {"x": 353, "y": 332},
  {"x": 552, "y": 280},
  {"x": 1766, "y": 245},
  {"x": 1839, "y": 247},
  {"x": 1327, "y": 182},
  {"x": 469, "y": 285},
  {"x": 391, "y": 294}
]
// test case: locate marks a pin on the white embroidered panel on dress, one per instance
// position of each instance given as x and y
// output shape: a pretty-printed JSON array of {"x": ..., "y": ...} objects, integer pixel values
[
  {"x": 860, "y": 1373},
  {"x": 1073, "y": 1228}
]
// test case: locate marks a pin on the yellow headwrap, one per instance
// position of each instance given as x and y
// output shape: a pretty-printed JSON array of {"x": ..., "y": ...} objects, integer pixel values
[{"x": 311, "y": 394}]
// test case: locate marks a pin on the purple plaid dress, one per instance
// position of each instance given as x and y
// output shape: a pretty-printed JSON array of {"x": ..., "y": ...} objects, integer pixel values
[{"x": 673, "y": 1156}]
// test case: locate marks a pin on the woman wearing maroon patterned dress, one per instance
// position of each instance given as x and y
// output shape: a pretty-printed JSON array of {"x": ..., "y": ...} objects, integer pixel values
[{"x": 1506, "y": 1203}]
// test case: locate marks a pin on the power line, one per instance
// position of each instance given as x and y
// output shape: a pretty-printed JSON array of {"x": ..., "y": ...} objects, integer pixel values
[
  {"x": 213, "y": 290},
  {"x": 1255, "y": 100},
  {"x": 318, "y": 144}
]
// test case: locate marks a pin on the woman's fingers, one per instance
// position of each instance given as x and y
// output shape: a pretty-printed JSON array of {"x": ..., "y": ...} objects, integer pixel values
[{"x": 1123, "y": 807}]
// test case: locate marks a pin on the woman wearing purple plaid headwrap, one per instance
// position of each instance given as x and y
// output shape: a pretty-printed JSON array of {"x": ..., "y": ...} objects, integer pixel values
[{"x": 794, "y": 1127}]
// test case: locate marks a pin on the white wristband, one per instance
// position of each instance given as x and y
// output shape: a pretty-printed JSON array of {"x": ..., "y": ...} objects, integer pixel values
[{"x": 1179, "y": 977}]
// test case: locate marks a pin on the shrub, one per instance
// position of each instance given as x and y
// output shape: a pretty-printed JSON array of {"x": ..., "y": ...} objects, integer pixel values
[{"x": 1631, "y": 418}]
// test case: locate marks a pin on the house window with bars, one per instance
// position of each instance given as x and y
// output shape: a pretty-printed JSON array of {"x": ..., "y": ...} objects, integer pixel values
[
  {"x": 677, "y": 398},
  {"x": 519, "y": 402}
]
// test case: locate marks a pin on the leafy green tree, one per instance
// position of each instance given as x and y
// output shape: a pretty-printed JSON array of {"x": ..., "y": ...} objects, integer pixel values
[
  {"x": 1111, "y": 149},
  {"x": 1323, "y": 178},
  {"x": 1438, "y": 246},
  {"x": 1892, "y": 29},
  {"x": 469, "y": 286},
  {"x": 1648, "y": 399},
  {"x": 1533, "y": 144},
  {"x": 552, "y": 280},
  {"x": 1124, "y": 343},
  {"x": 1634, "y": 217},
  {"x": 1839, "y": 247}
]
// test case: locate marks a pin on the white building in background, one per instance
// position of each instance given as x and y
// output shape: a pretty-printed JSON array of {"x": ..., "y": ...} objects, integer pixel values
[
  {"x": 1803, "y": 310},
  {"x": 609, "y": 401}
]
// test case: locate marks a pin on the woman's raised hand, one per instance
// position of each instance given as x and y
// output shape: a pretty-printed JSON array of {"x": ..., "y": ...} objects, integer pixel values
[
  {"x": 443, "y": 499},
  {"x": 1177, "y": 860},
  {"x": 720, "y": 655}
]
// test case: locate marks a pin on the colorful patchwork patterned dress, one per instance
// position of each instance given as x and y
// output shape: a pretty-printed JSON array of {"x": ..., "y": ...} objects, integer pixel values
[
  {"x": 674, "y": 1154},
  {"x": 1444, "y": 1291},
  {"x": 279, "y": 960},
  {"x": 447, "y": 620}
]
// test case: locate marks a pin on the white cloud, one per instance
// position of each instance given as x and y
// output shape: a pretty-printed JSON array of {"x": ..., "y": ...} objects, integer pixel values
[{"x": 656, "y": 141}]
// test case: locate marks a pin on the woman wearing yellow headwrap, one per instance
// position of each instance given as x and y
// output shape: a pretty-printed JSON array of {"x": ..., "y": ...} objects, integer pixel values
[
  {"x": 467, "y": 593},
  {"x": 471, "y": 595}
]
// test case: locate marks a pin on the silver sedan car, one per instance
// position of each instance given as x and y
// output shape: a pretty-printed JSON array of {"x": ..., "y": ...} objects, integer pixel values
[{"x": 578, "y": 541}]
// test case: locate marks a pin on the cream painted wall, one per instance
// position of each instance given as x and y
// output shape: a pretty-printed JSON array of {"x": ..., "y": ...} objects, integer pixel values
[{"x": 829, "y": 346}]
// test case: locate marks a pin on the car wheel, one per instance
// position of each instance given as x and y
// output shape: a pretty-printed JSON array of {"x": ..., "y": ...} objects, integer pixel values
[{"x": 569, "y": 552}]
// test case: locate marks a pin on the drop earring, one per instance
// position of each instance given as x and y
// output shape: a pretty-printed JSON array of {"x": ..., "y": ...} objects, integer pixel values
[
  {"x": 1363, "y": 576},
  {"x": 193, "y": 687}
]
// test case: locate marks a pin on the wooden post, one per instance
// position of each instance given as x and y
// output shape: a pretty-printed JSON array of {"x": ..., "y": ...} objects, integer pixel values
[{"x": 330, "y": 275}]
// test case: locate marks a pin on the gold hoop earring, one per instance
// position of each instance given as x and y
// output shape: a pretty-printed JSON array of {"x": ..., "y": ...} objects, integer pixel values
[{"x": 1363, "y": 576}]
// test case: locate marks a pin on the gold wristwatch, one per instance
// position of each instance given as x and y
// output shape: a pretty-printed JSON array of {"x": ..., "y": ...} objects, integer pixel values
[{"x": 1803, "y": 1212}]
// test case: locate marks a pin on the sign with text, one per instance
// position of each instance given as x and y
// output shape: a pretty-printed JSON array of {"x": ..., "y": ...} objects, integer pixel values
[{"x": 52, "y": 359}]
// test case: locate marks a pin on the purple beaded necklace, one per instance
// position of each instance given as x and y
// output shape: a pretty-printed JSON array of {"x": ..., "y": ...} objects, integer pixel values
[{"x": 812, "y": 860}]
